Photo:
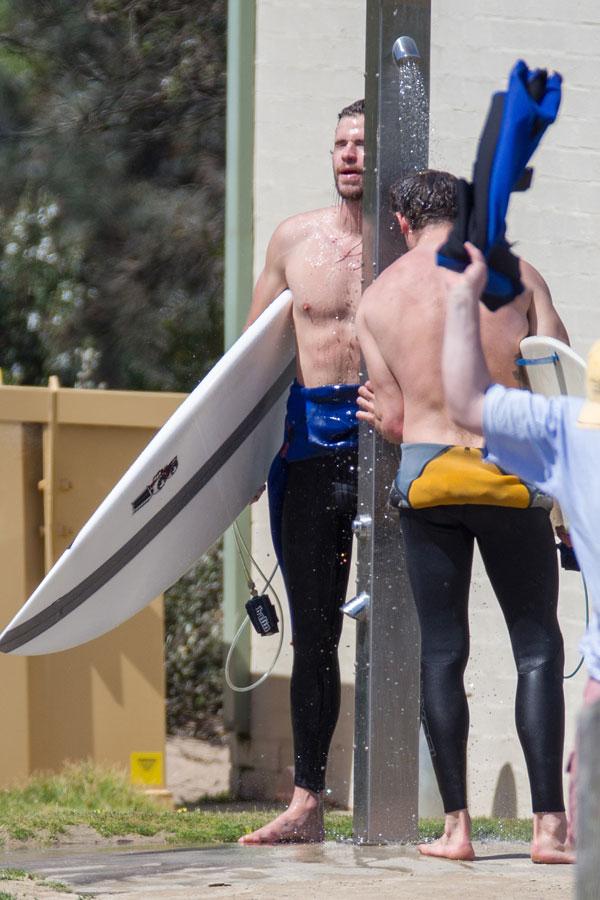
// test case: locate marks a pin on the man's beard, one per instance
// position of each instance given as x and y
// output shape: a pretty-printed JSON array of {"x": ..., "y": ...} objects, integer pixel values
[{"x": 349, "y": 191}]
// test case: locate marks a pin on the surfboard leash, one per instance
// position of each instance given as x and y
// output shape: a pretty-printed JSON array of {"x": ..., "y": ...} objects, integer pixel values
[
  {"x": 258, "y": 613},
  {"x": 539, "y": 361},
  {"x": 587, "y": 622}
]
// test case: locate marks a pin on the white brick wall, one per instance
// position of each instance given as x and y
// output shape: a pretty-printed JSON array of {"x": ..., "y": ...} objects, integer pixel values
[
  {"x": 309, "y": 65},
  {"x": 310, "y": 61},
  {"x": 557, "y": 222}
]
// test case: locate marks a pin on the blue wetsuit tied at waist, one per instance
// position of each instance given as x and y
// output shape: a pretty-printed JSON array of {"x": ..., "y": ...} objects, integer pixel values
[{"x": 319, "y": 421}]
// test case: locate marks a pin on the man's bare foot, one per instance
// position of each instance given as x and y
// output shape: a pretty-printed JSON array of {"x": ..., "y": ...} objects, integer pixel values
[
  {"x": 301, "y": 823},
  {"x": 455, "y": 843},
  {"x": 549, "y": 843}
]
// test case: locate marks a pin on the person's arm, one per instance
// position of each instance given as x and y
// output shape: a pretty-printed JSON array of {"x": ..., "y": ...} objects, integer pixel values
[
  {"x": 520, "y": 428},
  {"x": 380, "y": 399},
  {"x": 464, "y": 369},
  {"x": 544, "y": 320},
  {"x": 272, "y": 280},
  {"x": 542, "y": 315}
]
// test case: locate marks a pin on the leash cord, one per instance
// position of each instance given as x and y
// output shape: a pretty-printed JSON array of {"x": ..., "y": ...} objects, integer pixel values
[
  {"x": 587, "y": 622},
  {"x": 241, "y": 548}
]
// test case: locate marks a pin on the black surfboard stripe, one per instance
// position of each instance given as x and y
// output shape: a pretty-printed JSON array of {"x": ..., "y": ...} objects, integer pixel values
[{"x": 70, "y": 601}]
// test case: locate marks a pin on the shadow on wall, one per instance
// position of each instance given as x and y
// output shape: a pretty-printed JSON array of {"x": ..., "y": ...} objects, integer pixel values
[
  {"x": 100, "y": 700},
  {"x": 504, "y": 805},
  {"x": 430, "y": 801},
  {"x": 262, "y": 766}
]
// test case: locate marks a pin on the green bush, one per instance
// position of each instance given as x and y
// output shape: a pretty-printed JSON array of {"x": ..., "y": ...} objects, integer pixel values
[
  {"x": 194, "y": 650},
  {"x": 112, "y": 155}
]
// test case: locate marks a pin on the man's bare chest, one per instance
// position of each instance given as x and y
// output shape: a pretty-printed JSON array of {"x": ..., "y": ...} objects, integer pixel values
[{"x": 325, "y": 277}]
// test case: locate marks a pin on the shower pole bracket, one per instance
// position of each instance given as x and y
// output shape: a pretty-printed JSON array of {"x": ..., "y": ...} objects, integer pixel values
[{"x": 387, "y": 655}]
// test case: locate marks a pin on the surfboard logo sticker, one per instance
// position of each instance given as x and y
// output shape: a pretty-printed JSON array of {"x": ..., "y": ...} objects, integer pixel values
[{"x": 156, "y": 485}]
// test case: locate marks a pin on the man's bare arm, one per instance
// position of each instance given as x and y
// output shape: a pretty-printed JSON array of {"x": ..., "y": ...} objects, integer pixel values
[
  {"x": 543, "y": 317},
  {"x": 380, "y": 399},
  {"x": 544, "y": 320},
  {"x": 464, "y": 369},
  {"x": 272, "y": 280}
]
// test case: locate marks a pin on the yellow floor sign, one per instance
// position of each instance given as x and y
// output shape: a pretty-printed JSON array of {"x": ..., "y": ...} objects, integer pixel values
[{"x": 146, "y": 769}]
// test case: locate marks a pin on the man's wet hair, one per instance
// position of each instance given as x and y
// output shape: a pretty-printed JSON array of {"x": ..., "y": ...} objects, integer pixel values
[
  {"x": 424, "y": 198},
  {"x": 355, "y": 109}
]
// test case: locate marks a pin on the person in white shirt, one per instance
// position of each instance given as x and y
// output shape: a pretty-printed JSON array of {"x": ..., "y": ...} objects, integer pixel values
[{"x": 553, "y": 442}]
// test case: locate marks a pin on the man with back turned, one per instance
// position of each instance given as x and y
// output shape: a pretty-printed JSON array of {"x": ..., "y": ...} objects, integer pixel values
[{"x": 448, "y": 497}]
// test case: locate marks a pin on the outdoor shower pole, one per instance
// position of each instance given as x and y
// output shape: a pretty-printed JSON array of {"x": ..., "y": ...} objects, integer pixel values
[{"x": 386, "y": 770}]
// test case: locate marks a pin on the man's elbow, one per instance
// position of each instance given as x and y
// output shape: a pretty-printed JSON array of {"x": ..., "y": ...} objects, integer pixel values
[
  {"x": 391, "y": 428},
  {"x": 562, "y": 334},
  {"x": 466, "y": 413}
]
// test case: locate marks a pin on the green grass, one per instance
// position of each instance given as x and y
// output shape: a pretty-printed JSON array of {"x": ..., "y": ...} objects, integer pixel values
[
  {"x": 21, "y": 875},
  {"x": 48, "y": 805},
  {"x": 483, "y": 829},
  {"x": 13, "y": 874}
]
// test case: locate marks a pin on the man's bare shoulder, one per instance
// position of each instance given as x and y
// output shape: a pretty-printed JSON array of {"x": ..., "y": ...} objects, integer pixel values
[
  {"x": 530, "y": 276},
  {"x": 304, "y": 224},
  {"x": 389, "y": 280}
]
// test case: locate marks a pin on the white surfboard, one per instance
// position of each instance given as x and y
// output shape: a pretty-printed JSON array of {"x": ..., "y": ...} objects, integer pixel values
[
  {"x": 189, "y": 484},
  {"x": 552, "y": 367}
]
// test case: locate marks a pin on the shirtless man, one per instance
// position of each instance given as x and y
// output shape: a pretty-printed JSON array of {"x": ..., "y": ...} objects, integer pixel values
[
  {"x": 312, "y": 485},
  {"x": 448, "y": 498}
]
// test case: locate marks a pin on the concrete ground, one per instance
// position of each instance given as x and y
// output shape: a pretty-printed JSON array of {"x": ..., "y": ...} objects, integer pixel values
[{"x": 333, "y": 870}]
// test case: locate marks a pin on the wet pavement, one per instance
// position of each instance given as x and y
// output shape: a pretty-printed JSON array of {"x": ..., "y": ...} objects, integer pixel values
[{"x": 335, "y": 869}]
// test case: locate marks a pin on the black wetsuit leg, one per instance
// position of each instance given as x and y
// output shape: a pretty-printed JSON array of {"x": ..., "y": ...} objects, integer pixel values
[
  {"x": 318, "y": 508},
  {"x": 518, "y": 552},
  {"x": 519, "y": 555},
  {"x": 439, "y": 555}
]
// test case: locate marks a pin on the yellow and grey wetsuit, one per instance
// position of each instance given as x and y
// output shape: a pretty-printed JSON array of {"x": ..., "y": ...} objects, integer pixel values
[
  {"x": 449, "y": 475},
  {"x": 449, "y": 497}
]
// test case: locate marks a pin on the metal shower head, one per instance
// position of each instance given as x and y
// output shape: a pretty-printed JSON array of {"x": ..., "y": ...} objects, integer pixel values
[{"x": 404, "y": 48}]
